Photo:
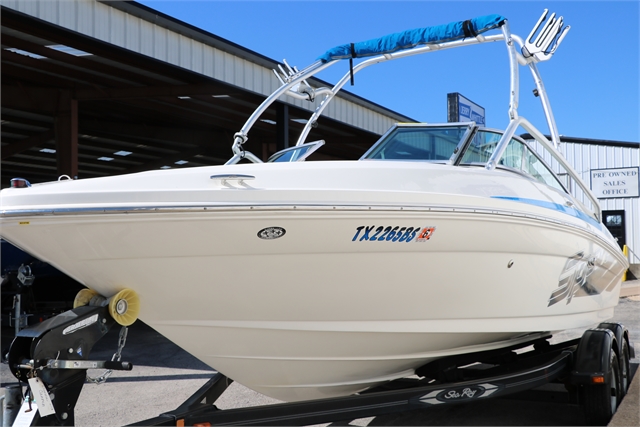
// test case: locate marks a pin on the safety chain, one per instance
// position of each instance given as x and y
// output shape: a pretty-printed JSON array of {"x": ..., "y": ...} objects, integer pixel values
[{"x": 115, "y": 358}]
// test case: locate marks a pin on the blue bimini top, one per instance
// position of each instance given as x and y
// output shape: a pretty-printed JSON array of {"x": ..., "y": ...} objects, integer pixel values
[{"x": 411, "y": 38}]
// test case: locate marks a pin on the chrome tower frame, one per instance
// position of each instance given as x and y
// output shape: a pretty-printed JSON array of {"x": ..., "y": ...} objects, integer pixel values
[{"x": 531, "y": 52}]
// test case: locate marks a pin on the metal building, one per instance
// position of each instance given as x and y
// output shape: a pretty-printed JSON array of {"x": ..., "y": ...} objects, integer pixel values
[{"x": 93, "y": 88}]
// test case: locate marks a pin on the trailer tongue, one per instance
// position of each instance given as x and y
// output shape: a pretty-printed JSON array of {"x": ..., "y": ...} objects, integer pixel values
[{"x": 52, "y": 357}]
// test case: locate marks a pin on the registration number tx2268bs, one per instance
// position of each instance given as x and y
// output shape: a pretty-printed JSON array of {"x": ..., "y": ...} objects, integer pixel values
[{"x": 392, "y": 234}]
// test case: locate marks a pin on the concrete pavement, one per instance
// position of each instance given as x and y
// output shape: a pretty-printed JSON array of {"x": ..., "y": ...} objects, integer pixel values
[
  {"x": 628, "y": 413},
  {"x": 630, "y": 288}
]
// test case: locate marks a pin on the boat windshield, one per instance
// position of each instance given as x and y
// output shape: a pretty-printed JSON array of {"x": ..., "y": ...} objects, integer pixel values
[
  {"x": 405, "y": 142},
  {"x": 516, "y": 156},
  {"x": 296, "y": 154},
  {"x": 455, "y": 144}
]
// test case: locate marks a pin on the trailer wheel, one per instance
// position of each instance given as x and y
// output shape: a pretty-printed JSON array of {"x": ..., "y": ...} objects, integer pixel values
[
  {"x": 625, "y": 368},
  {"x": 600, "y": 401},
  {"x": 624, "y": 353}
]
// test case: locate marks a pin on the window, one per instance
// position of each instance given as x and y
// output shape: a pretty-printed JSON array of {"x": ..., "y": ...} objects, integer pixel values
[
  {"x": 534, "y": 167},
  {"x": 517, "y": 155},
  {"x": 481, "y": 147},
  {"x": 418, "y": 143},
  {"x": 297, "y": 153},
  {"x": 613, "y": 220}
]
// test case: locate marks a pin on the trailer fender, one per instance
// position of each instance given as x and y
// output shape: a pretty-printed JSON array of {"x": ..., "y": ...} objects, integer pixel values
[
  {"x": 625, "y": 352},
  {"x": 593, "y": 356},
  {"x": 621, "y": 333}
]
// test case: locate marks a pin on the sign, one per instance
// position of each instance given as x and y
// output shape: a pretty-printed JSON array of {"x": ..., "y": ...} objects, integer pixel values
[
  {"x": 461, "y": 109},
  {"x": 615, "y": 183}
]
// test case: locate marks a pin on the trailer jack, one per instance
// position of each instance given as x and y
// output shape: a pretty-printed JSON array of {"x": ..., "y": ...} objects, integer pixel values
[{"x": 52, "y": 358}]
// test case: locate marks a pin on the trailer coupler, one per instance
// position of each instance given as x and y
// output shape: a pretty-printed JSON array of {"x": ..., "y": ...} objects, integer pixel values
[{"x": 52, "y": 358}]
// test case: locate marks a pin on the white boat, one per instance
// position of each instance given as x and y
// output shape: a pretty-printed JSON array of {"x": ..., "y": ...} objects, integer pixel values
[{"x": 304, "y": 279}]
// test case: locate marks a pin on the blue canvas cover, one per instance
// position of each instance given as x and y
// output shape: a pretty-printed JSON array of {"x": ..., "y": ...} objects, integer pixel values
[{"x": 411, "y": 38}]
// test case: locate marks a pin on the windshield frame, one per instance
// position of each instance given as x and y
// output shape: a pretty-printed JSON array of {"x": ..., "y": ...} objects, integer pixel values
[
  {"x": 310, "y": 147},
  {"x": 470, "y": 130}
]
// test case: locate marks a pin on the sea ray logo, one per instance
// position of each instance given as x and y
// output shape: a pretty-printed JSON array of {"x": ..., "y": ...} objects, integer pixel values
[
  {"x": 574, "y": 279},
  {"x": 477, "y": 391},
  {"x": 271, "y": 233}
]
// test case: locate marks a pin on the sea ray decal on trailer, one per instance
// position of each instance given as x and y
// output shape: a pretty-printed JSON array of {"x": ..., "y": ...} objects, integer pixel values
[{"x": 456, "y": 394}]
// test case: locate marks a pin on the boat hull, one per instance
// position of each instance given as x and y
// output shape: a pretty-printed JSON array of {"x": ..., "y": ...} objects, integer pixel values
[{"x": 324, "y": 309}]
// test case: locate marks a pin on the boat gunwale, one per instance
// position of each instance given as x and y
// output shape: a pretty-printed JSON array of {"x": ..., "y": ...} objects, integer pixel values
[
  {"x": 9, "y": 213},
  {"x": 27, "y": 213}
]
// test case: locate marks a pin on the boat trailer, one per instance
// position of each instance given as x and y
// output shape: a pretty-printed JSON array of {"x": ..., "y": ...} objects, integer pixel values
[{"x": 52, "y": 358}]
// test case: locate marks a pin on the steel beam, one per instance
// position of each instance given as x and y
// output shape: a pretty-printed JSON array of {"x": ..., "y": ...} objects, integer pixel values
[
  {"x": 66, "y": 128},
  {"x": 282, "y": 126},
  {"x": 28, "y": 143}
]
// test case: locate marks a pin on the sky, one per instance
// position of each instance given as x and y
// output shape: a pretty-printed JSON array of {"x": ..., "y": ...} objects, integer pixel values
[{"x": 592, "y": 81}]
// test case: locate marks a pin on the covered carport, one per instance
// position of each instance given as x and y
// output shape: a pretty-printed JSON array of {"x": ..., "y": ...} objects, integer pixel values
[{"x": 74, "y": 104}]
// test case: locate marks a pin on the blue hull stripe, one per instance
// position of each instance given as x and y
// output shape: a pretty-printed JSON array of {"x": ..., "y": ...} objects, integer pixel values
[{"x": 556, "y": 207}]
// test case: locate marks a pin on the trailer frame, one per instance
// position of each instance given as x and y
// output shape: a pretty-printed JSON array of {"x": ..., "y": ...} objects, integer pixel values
[{"x": 593, "y": 368}]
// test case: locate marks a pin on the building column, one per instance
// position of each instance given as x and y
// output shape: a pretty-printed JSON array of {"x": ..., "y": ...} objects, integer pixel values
[
  {"x": 66, "y": 130},
  {"x": 282, "y": 126}
]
